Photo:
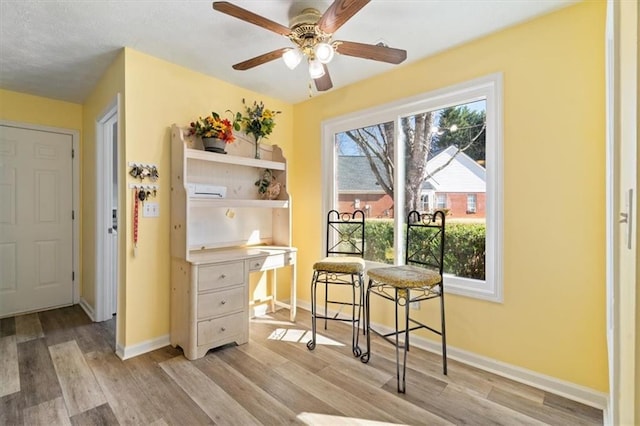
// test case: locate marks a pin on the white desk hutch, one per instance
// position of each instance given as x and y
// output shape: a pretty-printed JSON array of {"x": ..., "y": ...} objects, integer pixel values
[{"x": 221, "y": 231}]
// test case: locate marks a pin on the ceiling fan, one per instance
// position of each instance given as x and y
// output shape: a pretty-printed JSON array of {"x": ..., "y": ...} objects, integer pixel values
[{"x": 312, "y": 35}]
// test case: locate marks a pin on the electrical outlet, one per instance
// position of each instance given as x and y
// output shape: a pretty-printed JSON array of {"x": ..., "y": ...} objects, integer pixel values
[
  {"x": 151, "y": 210},
  {"x": 415, "y": 306}
]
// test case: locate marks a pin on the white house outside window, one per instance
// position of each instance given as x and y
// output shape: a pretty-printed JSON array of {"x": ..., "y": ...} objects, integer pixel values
[{"x": 447, "y": 142}]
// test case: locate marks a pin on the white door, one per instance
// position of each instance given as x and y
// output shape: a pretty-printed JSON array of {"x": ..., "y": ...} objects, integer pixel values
[{"x": 36, "y": 225}]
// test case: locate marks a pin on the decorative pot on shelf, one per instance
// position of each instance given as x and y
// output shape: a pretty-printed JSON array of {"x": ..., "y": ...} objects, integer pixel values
[
  {"x": 268, "y": 187},
  {"x": 273, "y": 190},
  {"x": 214, "y": 145}
]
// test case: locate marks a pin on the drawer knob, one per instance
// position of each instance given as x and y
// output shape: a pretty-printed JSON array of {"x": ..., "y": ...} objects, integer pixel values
[
  {"x": 223, "y": 329},
  {"x": 223, "y": 276},
  {"x": 257, "y": 264},
  {"x": 223, "y": 302}
]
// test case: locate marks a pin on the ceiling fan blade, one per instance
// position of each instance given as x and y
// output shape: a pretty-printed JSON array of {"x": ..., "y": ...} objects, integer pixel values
[
  {"x": 339, "y": 13},
  {"x": 245, "y": 15},
  {"x": 371, "y": 51},
  {"x": 324, "y": 83},
  {"x": 259, "y": 60}
]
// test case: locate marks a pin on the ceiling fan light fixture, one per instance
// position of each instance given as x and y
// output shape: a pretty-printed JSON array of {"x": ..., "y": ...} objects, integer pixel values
[
  {"x": 323, "y": 52},
  {"x": 316, "y": 70},
  {"x": 292, "y": 58}
]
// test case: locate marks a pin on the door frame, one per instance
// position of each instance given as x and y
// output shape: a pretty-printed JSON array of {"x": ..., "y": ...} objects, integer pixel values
[
  {"x": 76, "y": 282},
  {"x": 612, "y": 166},
  {"x": 104, "y": 170},
  {"x": 621, "y": 132}
]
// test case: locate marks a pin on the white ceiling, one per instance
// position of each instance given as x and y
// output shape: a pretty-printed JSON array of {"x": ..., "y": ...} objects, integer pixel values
[{"x": 60, "y": 48}]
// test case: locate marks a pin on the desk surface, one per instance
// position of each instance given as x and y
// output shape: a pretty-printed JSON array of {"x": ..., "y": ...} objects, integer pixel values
[{"x": 237, "y": 253}]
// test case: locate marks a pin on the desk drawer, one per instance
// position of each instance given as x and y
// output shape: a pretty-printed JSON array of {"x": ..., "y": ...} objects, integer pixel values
[
  {"x": 218, "y": 276},
  {"x": 221, "y": 302},
  {"x": 220, "y": 329},
  {"x": 272, "y": 261}
]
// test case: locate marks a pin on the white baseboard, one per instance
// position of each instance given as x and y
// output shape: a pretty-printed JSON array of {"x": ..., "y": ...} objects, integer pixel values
[
  {"x": 556, "y": 386},
  {"x": 126, "y": 352},
  {"x": 87, "y": 308}
]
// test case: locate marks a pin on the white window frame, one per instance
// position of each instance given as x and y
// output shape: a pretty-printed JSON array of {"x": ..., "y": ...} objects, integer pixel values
[
  {"x": 441, "y": 201},
  {"x": 488, "y": 87}
]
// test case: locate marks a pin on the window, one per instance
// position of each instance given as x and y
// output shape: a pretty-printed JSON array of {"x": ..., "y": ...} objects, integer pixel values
[
  {"x": 471, "y": 203},
  {"x": 444, "y": 144},
  {"x": 425, "y": 203}
]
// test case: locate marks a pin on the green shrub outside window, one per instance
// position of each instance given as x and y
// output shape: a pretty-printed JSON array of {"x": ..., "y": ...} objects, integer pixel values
[{"x": 464, "y": 254}]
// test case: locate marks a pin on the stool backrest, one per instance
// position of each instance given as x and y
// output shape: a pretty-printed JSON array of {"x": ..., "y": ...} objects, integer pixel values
[
  {"x": 425, "y": 240},
  {"x": 345, "y": 233}
]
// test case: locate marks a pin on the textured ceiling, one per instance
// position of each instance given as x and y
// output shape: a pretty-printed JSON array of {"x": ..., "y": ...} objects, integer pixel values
[{"x": 60, "y": 48}]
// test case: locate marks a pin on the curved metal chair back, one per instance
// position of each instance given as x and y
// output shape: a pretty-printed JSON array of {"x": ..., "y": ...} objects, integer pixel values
[
  {"x": 425, "y": 240},
  {"x": 345, "y": 233}
]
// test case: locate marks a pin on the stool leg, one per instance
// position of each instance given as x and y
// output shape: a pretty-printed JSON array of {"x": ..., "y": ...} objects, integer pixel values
[
  {"x": 362, "y": 290},
  {"x": 355, "y": 322},
  {"x": 326, "y": 297},
  {"x": 311, "y": 344},
  {"x": 402, "y": 365},
  {"x": 365, "y": 356},
  {"x": 444, "y": 333},
  {"x": 397, "y": 342}
]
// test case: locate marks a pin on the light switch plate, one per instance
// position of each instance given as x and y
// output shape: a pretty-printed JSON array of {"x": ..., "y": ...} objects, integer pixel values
[{"x": 151, "y": 210}]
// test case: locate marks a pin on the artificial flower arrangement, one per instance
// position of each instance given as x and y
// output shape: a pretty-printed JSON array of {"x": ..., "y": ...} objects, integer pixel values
[
  {"x": 257, "y": 120},
  {"x": 213, "y": 126}
]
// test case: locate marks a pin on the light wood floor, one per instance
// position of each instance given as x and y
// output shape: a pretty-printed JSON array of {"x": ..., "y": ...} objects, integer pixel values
[{"x": 57, "y": 367}]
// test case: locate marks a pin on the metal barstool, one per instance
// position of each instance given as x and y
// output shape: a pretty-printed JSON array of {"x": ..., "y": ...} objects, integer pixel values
[
  {"x": 419, "y": 279},
  {"x": 342, "y": 266}
]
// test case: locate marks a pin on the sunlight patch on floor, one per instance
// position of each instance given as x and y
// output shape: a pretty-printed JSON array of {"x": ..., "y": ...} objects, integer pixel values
[
  {"x": 300, "y": 336},
  {"x": 269, "y": 320},
  {"x": 324, "y": 419}
]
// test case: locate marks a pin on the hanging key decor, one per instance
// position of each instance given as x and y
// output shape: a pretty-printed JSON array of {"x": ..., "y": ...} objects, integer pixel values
[
  {"x": 141, "y": 193},
  {"x": 143, "y": 171},
  {"x": 150, "y": 191},
  {"x": 135, "y": 221}
]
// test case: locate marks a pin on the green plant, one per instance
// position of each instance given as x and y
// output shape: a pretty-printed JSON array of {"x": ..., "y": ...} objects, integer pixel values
[
  {"x": 465, "y": 250},
  {"x": 378, "y": 238},
  {"x": 264, "y": 181},
  {"x": 213, "y": 126}
]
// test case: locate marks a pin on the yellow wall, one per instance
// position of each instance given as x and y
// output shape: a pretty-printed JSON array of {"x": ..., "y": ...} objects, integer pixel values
[
  {"x": 25, "y": 108},
  {"x": 553, "y": 317},
  {"x": 159, "y": 94}
]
